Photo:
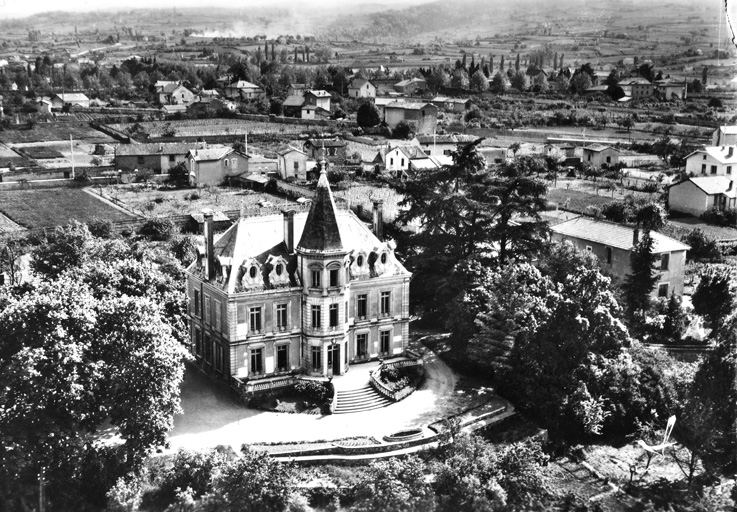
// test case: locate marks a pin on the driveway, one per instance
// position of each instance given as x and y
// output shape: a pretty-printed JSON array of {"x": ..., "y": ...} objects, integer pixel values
[{"x": 212, "y": 417}]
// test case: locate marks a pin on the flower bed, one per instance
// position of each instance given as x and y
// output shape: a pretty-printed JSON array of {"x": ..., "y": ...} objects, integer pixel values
[
  {"x": 304, "y": 397},
  {"x": 398, "y": 382}
]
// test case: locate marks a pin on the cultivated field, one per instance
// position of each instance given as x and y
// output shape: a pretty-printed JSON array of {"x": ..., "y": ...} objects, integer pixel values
[
  {"x": 34, "y": 209},
  {"x": 158, "y": 202},
  {"x": 44, "y": 132}
]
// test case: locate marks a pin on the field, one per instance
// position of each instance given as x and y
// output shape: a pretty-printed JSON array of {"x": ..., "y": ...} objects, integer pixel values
[
  {"x": 46, "y": 208},
  {"x": 166, "y": 202},
  {"x": 44, "y": 132},
  {"x": 366, "y": 194}
]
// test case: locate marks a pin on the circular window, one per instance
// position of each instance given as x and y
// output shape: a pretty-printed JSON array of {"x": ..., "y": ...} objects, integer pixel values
[
  {"x": 279, "y": 269},
  {"x": 359, "y": 261},
  {"x": 383, "y": 258},
  {"x": 252, "y": 272}
]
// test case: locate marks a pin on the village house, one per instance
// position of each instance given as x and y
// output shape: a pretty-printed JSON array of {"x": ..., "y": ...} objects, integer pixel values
[
  {"x": 399, "y": 159},
  {"x": 411, "y": 86},
  {"x": 302, "y": 292},
  {"x": 161, "y": 84},
  {"x": 700, "y": 194},
  {"x": 637, "y": 88},
  {"x": 313, "y": 112},
  {"x": 58, "y": 101},
  {"x": 612, "y": 244},
  {"x": 241, "y": 89},
  {"x": 361, "y": 88},
  {"x": 297, "y": 90},
  {"x": 316, "y": 98},
  {"x": 213, "y": 165},
  {"x": 712, "y": 161},
  {"x": 423, "y": 117},
  {"x": 292, "y": 163},
  {"x": 669, "y": 88},
  {"x": 176, "y": 94},
  {"x": 724, "y": 136},
  {"x": 600, "y": 156},
  {"x": 158, "y": 157},
  {"x": 335, "y": 150}
]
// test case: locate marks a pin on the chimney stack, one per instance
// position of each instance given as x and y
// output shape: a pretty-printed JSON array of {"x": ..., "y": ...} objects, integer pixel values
[
  {"x": 209, "y": 252},
  {"x": 378, "y": 224},
  {"x": 729, "y": 187},
  {"x": 289, "y": 229},
  {"x": 636, "y": 236},
  {"x": 730, "y": 151}
]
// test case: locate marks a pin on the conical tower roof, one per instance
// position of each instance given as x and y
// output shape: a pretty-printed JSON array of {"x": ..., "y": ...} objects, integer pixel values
[{"x": 321, "y": 233}]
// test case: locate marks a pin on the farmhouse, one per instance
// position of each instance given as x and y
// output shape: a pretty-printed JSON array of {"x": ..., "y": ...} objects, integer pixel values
[
  {"x": 292, "y": 106},
  {"x": 423, "y": 117},
  {"x": 313, "y": 112},
  {"x": 435, "y": 145},
  {"x": 262, "y": 305},
  {"x": 58, "y": 101},
  {"x": 317, "y": 99},
  {"x": 600, "y": 156},
  {"x": 158, "y": 157},
  {"x": 400, "y": 158},
  {"x": 637, "y": 88},
  {"x": 724, "y": 136},
  {"x": 612, "y": 244},
  {"x": 712, "y": 161},
  {"x": 176, "y": 94},
  {"x": 292, "y": 163},
  {"x": 701, "y": 194},
  {"x": 214, "y": 165},
  {"x": 361, "y": 88},
  {"x": 411, "y": 86},
  {"x": 242, "y": 90},
  {"x": 670, "y": 88},
  {"x": 297, "y": 90}
]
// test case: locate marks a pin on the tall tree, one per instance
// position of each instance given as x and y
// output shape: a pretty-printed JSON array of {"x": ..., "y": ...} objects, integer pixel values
[
  {"x": 715, "y": 296},
  {"x": 517, "y": 64},
  {"x": 639, "y": 283}
]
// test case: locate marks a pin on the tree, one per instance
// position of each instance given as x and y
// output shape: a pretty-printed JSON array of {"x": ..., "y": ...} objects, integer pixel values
[
  {"x": 179, "y": 174},
  {"x": 703, "y": 247},
  {"x": 716, "y": 294},
  {"x": 459, "y": 80},
  {"x": 519, "y": 81},
  {"x": 394, "y": 485},
  {"x": 403, "y": 130},
  {"x": 562, "y": 84},
  {"x": 11, "y": 264},
  {"x": 628, "y": 123},
  {"x": 641, "y": 280},
  {"x": 65, "y": 247},
  {"x": 479, "y": 82},
  {"x": 438, "y": 79},
  {"x": 499, "y": 83},
  {"x": 368, "y": 115},
  {"x": 580, "y": 83},
  {"x": 674, "y": 326},
  {"x": 252, "y": 482}
]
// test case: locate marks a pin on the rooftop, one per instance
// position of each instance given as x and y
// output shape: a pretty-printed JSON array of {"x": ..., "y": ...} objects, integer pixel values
[
  {"x": 598, "y": 147},
  {"x": 210, "y": 153},
  {"x": 712, "y": 185},
  {"x": 719, "y": 153},
  {"x": 613, "y": 234}
]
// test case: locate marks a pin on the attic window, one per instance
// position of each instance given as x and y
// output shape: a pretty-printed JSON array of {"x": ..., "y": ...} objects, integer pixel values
[
  {"x": 279, "y": 269},
  {"x": 383, "y": 258},
  {"x": 359, "y": 261},
  {"x": 252, "y": 272}
]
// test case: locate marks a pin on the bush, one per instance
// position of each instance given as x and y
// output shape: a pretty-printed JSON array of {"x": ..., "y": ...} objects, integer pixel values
[
  {"x": 719, "y": 217},
  {"x": 158, "y": 229},
  {"x": 703, "y": 248},
  {"x": 184, "y": 249},
  {"x": 403, "y": 130},
  {"x": 101, "y": 228},
  {"x": 315, "y": 392}
]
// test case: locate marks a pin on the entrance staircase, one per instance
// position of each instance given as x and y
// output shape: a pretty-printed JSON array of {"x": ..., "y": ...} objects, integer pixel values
[{"x": 359, "y": 400}]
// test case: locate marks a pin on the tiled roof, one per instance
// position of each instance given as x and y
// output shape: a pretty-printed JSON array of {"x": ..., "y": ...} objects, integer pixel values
[
  {"x": 71, "y": 97},
  {"x": 319, "y": 94},
  {"x": 613, "y": 234},
  {"x": 328, "y": 143},
  {"x": 293, "y": 101},
  {"x": 409, "y": 106},
  {"x": 712, "y": 185},
  {"x": 599, "y": 147},
  {"x": 289, "y": 149},
  {"x": 728, "y": 130},
  {"x": 156, "y": 148},
  {"x": 358, "y": 83},
  {"x": 321, "y": 232},
  {"x": 718, "y": 154},
  {"x": 200, "y": 155}
]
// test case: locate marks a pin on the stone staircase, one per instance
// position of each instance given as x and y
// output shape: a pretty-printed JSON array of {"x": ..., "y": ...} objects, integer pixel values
[{"x": 359, "y": 400}]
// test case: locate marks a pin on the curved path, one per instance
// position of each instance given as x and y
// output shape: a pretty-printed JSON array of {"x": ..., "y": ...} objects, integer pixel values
[{"x": 212, "y": 417}]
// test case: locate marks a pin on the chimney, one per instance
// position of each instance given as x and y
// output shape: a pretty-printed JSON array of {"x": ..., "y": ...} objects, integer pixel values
[
  {"x": 730, "y": 151},
  {"x": 636, "y": 236},
  {"x": 729, "y": 187},
  {"x": 289, "y": 229},
  {"x": 209, "y": 253},
  {"x": 378, "y": 224}
]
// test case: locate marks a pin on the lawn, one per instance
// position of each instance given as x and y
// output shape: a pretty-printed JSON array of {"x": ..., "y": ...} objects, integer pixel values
[
  {"x": 164, "y": 201},
  {"x": 578, "y": 201},
  {"x": 45, "y": 208}
]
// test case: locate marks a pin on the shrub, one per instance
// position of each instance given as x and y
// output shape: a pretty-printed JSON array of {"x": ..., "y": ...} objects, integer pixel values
[
  {"x": 158, "y": 229},
  {"x": 315, "y": 392},
  {"x": 184, "y": 249},
  {"x": 703, "y": 248},
  {"x": 101, "y": 228}
]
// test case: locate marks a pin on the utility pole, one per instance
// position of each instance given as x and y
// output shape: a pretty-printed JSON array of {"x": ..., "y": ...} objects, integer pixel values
[{"x": 71, "y": 146}]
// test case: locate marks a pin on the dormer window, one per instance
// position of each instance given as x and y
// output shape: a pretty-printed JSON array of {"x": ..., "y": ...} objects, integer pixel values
[
  {"x": 359, "y": 261},
  {"x": 252, "y": 272},
  {"x": 383, "y": 258},
  {"x": 279, "y": 269}
]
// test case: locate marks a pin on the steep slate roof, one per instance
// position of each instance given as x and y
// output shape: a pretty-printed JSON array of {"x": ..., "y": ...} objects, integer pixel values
[
  {"x": 156, "y": 148},
  {"x": 613, "y": 234},
  {"x": 321, "y": 231}
]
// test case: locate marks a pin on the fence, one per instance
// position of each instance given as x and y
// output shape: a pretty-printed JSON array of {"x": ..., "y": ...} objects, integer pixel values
[{"x": 399, "y": 394}]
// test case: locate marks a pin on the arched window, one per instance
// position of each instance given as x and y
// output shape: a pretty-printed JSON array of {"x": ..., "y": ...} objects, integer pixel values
[
  {"x": 279, "y": 269},
  {"x": 252, "y": 272},
  {"x": 359, "y": 260},
  {"x": 383, "y": 258}
]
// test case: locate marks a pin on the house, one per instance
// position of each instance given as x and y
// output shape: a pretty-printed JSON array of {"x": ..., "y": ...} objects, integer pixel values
[
  {"x": 600, "y": 156},
  {"x": 262, "y": 165},
  {"x": 210, "y": 105},
  {"x": 313, "y": 112},
  {"x": 317, "y": 99},
  {"x": 174, "y": 109},
  {"x": 292, "y": 163},
  {"x": 381, "y": 104},
  {"x": 250, "y": 91},
  {"x": 302, "y": 292},
  {"x": 292, "y": 106},
  {"x": 158, "y": 157},
  {"x": 494, "y": 155},
  {"x": 213, "y": 165},
  {"x": 334, "y": 150},
  {"x": 176, "y": 94},
  {"x": 399, "y": 158},
  {"x": 612, "y": 244},
  {"x": 698, "y": 195},
  {"x": 670, "y": 88},
  {"x": 43, "y": 105},
  {"x": 411, "y": 86},
  {"x": 161, "y": 84},
  {"x": 435, "y": 145},
  {"x": 423, "y": 117},
  {"x": 637, "y": 88},
  {"x": 712, "y": 161},
  {"x": 724, "y": 136},
  {"x": 58, "y": 101},
  {"x": 297, "y": 90},
  {"x": 361, "y": 88}
]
